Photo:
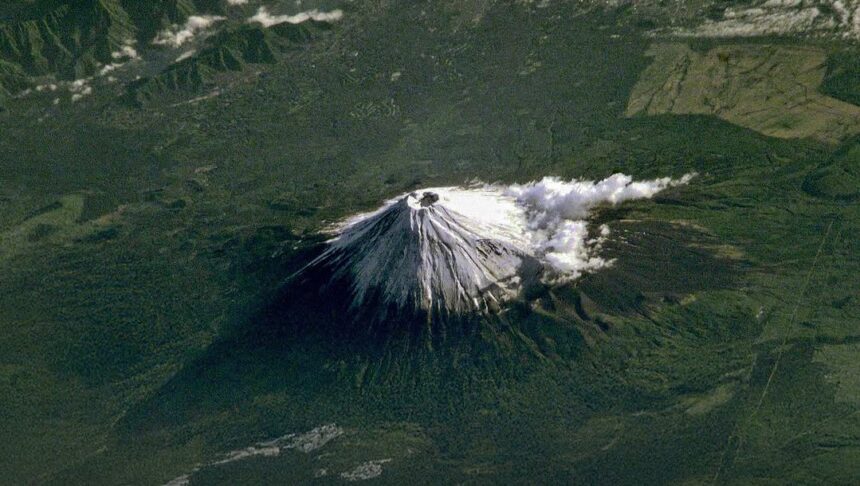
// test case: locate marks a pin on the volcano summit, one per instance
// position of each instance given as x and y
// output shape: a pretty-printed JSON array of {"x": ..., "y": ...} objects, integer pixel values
[
  {"x": 445, "y": 250},
  {"x": 457, "y": 250}
]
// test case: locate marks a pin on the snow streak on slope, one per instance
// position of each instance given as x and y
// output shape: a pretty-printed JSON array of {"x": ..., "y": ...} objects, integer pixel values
[{"x": 455, "y": 250}]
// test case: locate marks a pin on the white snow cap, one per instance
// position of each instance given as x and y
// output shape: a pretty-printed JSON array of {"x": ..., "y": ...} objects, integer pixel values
[{"x": 459, "y": 249}]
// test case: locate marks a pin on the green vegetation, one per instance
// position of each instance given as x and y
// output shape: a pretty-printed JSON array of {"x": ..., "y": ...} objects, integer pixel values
[
  {"x": 143, "y": 248},
  {"x": 839, "y": 177},
  {"x": 841, "y": 78},
  {"x": 13, "y": 80},
  {"x": 71, "y": 39},
  {"x": 229, "y": 50}
]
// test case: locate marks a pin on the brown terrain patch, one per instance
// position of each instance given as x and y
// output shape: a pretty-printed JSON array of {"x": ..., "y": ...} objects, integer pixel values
[{"x": 770, "y": 89}]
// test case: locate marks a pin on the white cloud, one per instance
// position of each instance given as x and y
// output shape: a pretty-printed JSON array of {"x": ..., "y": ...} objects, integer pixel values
[
  {"x": 109, "y": 67},
  {"x": 178, "y": 35},
  {"x": 556, "y": 212},
  {"x": 267, "y": 20},
  {"x": 77, "y": 89},
  {"x": 552, "y": 198},
  {"x": 127, "y": 52},
  {"x": 80, "y": 88},
  {"x": 364, "y": 471}
]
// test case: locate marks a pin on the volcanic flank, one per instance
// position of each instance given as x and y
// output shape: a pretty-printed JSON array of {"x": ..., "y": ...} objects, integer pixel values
[{"x": 460, "y": 251}]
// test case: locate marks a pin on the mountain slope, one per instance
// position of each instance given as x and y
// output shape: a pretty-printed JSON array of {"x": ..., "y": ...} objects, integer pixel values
[
  {"x": 151, "y": 16},
  {"x": 12, "y": 80},
  {"x": 70, "y": 40},
  {"x": 229, "y": 50}
]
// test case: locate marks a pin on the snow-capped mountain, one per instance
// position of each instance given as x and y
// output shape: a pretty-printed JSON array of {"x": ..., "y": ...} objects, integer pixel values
[
  {"x": 443, "y": 250},
  {"x": 461, "y": 250}
]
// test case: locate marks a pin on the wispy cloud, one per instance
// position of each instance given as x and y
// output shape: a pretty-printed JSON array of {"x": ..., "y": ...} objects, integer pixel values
[
  {"x": 556, "y": 212},
  {"x": 178, "y": 35},
  {"x": 266, "y": 19},
  {"x": 364, "y": 471},
  {"x": 80, "y": 88},
  {"x": 126, "y": 52}
]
